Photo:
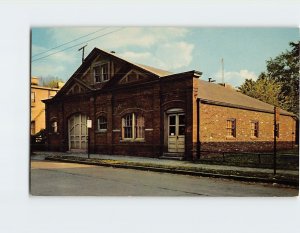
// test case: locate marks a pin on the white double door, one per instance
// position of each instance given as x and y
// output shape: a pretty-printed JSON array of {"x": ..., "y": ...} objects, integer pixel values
[
  {"x": 78, "y": 132},
  {"x": 176, "y": 133}
]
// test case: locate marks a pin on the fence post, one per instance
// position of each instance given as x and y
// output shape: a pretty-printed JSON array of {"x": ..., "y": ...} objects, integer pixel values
[
  {"x": 276, "y": 118},
  {"x": 198, "y": 130}
]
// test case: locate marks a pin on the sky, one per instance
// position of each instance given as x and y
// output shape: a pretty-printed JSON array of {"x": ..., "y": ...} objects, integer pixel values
[
  {"x": 16, "y": 21},
  {"x": 176, "y": 49}
]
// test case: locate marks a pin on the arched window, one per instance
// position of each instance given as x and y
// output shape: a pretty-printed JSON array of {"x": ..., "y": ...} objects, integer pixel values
[
  {"x": 133, "y": 126},
  {"x": 54, "y": 128},
  {"x": 102, "y": 124}
]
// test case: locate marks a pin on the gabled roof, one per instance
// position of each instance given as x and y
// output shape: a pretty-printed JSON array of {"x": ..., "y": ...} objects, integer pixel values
[
  {"x": 220, "y": 95},
  {"x": 92, "y": 55},
  {"x": 153, "y": 70}
]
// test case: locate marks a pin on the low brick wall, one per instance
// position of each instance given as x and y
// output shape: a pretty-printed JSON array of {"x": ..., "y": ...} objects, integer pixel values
[{"x": 245, "y": 146}]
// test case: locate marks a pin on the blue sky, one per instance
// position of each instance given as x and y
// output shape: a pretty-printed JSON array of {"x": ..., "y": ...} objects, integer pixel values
[{"x": 177, "y": 49}]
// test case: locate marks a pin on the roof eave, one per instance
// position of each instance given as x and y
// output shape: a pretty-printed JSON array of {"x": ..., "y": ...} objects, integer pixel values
[{"x": 224, "y": 104}]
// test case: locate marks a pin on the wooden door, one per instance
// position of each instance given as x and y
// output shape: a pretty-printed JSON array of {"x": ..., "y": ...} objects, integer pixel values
[
  {"x": 78, "y": 132},
  {"x": 176, "y": 133}
]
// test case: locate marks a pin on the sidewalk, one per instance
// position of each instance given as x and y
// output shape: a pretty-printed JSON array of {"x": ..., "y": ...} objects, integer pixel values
[{"x": 288, "y": 177}]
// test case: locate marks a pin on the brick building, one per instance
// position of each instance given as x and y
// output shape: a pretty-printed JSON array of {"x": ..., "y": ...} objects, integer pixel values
[{"x": 144, "y": 111}]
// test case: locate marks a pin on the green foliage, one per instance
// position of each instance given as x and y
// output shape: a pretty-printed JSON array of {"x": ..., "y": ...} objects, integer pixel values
[
  {"x": 50, "y": 81},
  {"x": 279, "y": 84},
  {"x": 263, "y": 89}
]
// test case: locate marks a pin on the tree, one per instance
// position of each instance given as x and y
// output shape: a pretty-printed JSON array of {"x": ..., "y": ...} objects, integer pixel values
[
  {"x": 263, "y": 89},
  {"x": 282, "y": 74},
  {"x": 50, "y": 81}
]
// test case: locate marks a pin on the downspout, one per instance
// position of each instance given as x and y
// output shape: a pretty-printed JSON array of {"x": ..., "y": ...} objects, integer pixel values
[
  {"x": 198, "y": 128},
  {"x": 47, "y": 126},
  {"x": 63, "y": 129}
]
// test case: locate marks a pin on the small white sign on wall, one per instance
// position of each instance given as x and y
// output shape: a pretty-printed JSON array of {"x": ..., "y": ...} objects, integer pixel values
[{"x": 89, "y": 124}]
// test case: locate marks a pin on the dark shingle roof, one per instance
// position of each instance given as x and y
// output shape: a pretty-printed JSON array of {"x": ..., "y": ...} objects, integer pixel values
[{"x": 230, "y": 97}]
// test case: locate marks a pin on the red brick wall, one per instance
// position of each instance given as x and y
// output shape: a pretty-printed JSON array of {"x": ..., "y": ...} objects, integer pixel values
[
  {"x": 152, "y": 100},
  {"x": 61, "y": 111},
  {"x": 143, "y": 101},
  {"x": 213, "y": 129},
  {"x": 177, "y": 92}
]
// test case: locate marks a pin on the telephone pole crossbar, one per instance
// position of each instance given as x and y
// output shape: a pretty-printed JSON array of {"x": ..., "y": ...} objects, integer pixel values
[{"x": 82, "y": 48}]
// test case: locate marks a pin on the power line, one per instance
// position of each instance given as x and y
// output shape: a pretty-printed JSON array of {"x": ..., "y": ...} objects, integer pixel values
[
  {"x": 78, "y": 44},
  {"x": 70, "y": 41}
]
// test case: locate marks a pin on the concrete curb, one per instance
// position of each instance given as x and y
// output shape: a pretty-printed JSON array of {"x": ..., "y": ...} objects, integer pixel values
[{"x": 293, "y": 183}]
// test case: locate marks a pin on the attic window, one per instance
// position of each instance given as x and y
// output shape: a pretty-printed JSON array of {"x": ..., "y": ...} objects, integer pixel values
[{"x": 101, "y": 73}]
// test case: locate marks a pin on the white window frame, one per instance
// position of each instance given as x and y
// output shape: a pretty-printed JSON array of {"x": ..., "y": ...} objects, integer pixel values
[
  {"x": 102, "y": 74},
  {"x": 99, "y": 123},
  {"x": 134, "y": 136}
]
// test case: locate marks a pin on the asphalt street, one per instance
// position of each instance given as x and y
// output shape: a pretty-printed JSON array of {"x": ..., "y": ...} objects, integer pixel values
[{"x": 69, "y": 179}]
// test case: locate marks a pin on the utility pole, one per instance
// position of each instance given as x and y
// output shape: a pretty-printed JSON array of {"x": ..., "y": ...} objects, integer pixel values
[
  {"x": 82, "y": 48},
  {"x": 276, "y": 133},
  {"x": 222, "y": 63}
]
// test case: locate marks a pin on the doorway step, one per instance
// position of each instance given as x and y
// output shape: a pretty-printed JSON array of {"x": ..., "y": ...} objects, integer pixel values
[{"x": 174, "y": 156}]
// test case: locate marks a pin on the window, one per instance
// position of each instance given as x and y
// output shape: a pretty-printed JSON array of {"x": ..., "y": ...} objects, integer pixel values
[
  {"x": 254, "y": 129},
  {"x": 102, "y": 123},
  {"x": 33, "y": 97},
  {"x": 54, "y": 127},
  {"x": 32, "y": 127},
  {"x": 231, "y": 128},
  {"x": 127, "y": 126},
  {"x": 140, "y": 127},
  {"x": 181, "y": 126},
  {"x": 133, "y": 126},
  {"x": 97, "y": 74},
  {"x": 101, "y": 73},
  {"x": 277, "y": 130},
  {"x": 104, "y": 72}
]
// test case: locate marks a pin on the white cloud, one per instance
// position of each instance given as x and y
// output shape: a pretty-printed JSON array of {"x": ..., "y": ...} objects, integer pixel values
[
  {"x": 46, "y": 70},
  {"x": 35, "y": 49},
  {"x": 56, "y": 55},
  {"x": 168, "y": 56},
  {"x": 236, "y": 78},
  {"x": 55, "y": 65},
  {"x": 175, "y": 55},
  {"x": 134, "y": 56},
  {"x": 161, "y": 47},
  {"x": 128, "y": 36}
]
